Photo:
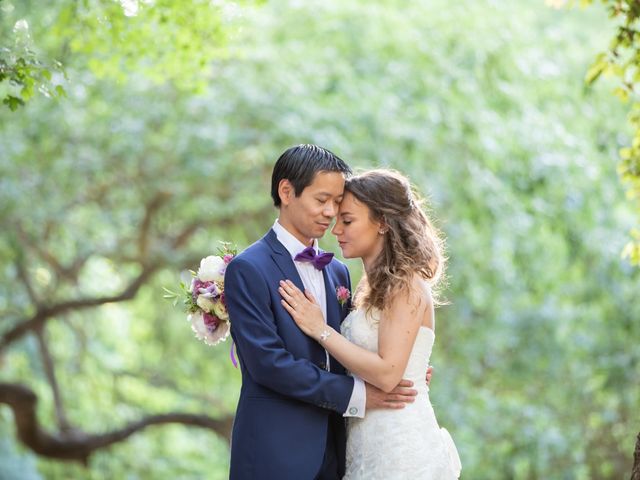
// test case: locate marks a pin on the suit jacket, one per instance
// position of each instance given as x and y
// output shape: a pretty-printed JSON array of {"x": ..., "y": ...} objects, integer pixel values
[{"x": 287, "y": 396}]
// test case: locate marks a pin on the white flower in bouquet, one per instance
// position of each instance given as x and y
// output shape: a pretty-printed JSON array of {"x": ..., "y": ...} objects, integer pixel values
[
  {"x": 212, "y": 269},
  {"x": 205, "y": 303},
  {"x": 204, "y": 299},
  {"x": 209, "y": 328},
  {"x": 220, "y": 310}
]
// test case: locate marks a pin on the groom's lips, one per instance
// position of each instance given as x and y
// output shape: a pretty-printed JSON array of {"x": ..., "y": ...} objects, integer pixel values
[{"x": 325, "y": 225}]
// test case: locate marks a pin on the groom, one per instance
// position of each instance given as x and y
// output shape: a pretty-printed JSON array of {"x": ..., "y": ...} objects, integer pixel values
[{"x": 289, "y": 421}]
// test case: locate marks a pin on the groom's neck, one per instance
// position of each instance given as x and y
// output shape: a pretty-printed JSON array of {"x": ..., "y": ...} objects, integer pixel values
[{"x": 291, "y": 228}]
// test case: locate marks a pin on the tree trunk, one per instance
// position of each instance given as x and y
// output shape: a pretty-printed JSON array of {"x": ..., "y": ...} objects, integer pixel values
[
  {"x": 76, "y": 445},
  {"x": 635, "y": 471}
]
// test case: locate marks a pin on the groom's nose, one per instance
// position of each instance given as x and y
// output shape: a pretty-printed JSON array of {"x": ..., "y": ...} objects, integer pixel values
[{"x": 330, "y": 210}]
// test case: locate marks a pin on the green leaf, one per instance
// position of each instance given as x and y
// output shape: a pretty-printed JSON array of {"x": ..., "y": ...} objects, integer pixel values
[
  {"x": 13, "y": 102},
  {"x": 598, "y": 67},
  {"x": 622, "y": 93}
]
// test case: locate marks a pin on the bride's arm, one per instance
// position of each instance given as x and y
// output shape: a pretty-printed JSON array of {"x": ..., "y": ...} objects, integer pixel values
[{"x": 397, "y": 333}]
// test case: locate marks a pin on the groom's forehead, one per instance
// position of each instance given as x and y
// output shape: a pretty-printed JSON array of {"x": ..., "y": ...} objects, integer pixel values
[{"x": 329, "y": 180}]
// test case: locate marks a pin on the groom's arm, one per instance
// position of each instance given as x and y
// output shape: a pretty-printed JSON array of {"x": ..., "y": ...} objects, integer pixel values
[{"x": 262, "y": 350}]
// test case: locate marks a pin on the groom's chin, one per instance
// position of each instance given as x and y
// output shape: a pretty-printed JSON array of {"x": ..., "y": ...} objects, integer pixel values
[{"x": 319, "y": 231}]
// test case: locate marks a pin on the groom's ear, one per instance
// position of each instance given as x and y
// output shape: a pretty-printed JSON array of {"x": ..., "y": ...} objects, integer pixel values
[{"x": 285, "y": 191}]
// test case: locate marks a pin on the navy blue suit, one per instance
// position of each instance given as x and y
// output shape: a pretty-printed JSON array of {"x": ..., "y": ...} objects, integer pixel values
[{"x": 289, "y": 403}]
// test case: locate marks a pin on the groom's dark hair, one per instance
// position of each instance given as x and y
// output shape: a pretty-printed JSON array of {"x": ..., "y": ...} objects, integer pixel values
[{"x": 300, "y": 164}]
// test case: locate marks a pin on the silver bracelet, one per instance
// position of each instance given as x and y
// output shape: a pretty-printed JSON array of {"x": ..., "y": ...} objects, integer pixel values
[{"x": 326, "y": 333}]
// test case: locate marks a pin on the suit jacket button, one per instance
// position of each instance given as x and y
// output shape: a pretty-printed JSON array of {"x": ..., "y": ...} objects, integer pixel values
[{"x": 322, "y": 365}]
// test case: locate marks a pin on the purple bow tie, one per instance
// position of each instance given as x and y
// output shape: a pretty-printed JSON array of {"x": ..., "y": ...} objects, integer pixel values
[{"x": 319, "y": 261}]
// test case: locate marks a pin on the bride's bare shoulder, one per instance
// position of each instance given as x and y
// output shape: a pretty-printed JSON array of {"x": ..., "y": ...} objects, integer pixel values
[
  {"x": 420, "y": 291},
  {"x": 417, "y": 298},
  {"x": 421, "y": 300}
]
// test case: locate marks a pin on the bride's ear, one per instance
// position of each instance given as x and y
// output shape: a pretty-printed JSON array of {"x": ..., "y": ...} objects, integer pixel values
[{"x": 383, "y": 227}]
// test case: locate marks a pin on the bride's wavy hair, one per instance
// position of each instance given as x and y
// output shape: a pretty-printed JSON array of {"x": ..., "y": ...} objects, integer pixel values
[{"x": 412, "y": 244}]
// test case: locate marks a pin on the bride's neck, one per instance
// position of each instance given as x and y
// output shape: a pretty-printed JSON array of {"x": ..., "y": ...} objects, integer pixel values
[
  {"x": 369, "y": 260},
  {"x": 369, "y": 263}
]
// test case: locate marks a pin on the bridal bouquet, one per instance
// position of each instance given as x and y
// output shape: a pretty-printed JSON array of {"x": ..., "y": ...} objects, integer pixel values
[{"x": 203, "y": 299}]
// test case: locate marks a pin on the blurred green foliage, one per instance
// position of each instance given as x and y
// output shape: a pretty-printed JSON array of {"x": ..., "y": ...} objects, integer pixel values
[
  {"x": 21, "y": 68},
  {"x": 163, "y": 39},
  {"x": 621, "y": 61},
  {"x": 481, "y": 103}
]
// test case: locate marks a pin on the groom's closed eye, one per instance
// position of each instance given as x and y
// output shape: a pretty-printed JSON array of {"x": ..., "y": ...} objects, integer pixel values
[{"x": 325, "y": 199}]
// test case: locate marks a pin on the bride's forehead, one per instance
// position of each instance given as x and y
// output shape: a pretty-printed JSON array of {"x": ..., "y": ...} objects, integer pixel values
[{"x": 350, "y": 204}]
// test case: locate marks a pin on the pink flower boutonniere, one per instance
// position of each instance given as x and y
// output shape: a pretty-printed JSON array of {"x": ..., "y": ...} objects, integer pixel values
[{"x": 343, "y": 294}]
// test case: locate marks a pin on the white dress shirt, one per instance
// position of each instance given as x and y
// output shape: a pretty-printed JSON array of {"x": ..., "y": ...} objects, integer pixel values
[{"x": 313, "y": 280}]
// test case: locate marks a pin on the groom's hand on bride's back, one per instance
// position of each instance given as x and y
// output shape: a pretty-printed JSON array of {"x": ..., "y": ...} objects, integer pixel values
[{"x": 396, "y": 398}]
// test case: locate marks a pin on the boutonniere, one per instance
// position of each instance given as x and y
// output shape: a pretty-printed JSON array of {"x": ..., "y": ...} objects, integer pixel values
[{"x": 343, "y": 294}]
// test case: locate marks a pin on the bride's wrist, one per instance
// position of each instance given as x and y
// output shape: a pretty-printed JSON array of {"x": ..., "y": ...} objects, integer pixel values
[{"x": 323, "y": 333}]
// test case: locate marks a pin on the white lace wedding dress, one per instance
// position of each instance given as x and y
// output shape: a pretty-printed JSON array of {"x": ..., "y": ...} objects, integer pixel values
[{"x": 398, "y": 444}]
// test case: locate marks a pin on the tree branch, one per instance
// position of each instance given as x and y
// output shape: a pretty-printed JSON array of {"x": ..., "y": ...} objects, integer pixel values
[
  {"x": 77, "y": 445},
  {"x": 22, "y": 274},
  {"x": 156, "y": 379},
  {"x": 47, "y": 363},
  {"x": 184, "y": 235},
  {"x": 151, "y": 209},
  {"x": 187, "y": 232},
  {"x": 69, "y": 273},
  {"x": 44, "y": 313}
]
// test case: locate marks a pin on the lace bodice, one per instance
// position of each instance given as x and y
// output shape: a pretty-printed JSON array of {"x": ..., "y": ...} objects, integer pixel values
[{"x": 398, "y": 444}]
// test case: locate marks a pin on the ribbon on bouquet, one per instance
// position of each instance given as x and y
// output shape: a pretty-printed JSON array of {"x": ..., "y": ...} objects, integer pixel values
[{"x": 232, "y": 355}]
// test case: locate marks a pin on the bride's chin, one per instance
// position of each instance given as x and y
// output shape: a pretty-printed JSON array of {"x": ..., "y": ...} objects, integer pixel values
[{"x": 345, "y": 254}]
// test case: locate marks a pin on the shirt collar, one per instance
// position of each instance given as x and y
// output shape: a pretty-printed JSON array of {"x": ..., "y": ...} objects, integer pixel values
[{"x": 290, "y": 242}]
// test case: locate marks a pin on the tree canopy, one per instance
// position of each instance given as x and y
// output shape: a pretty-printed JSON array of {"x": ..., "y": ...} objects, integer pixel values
[{"x": 164, "y": 144}]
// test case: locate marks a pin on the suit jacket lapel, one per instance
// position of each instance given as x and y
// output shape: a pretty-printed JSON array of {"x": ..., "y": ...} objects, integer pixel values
[
  {"x": 333, "y": 308},
  {"x": 334, "y": 311},
  {"x": 283, "y": 260}
]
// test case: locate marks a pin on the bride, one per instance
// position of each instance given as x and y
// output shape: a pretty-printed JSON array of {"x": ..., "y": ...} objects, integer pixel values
[{"x": 390, "y": 333}]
